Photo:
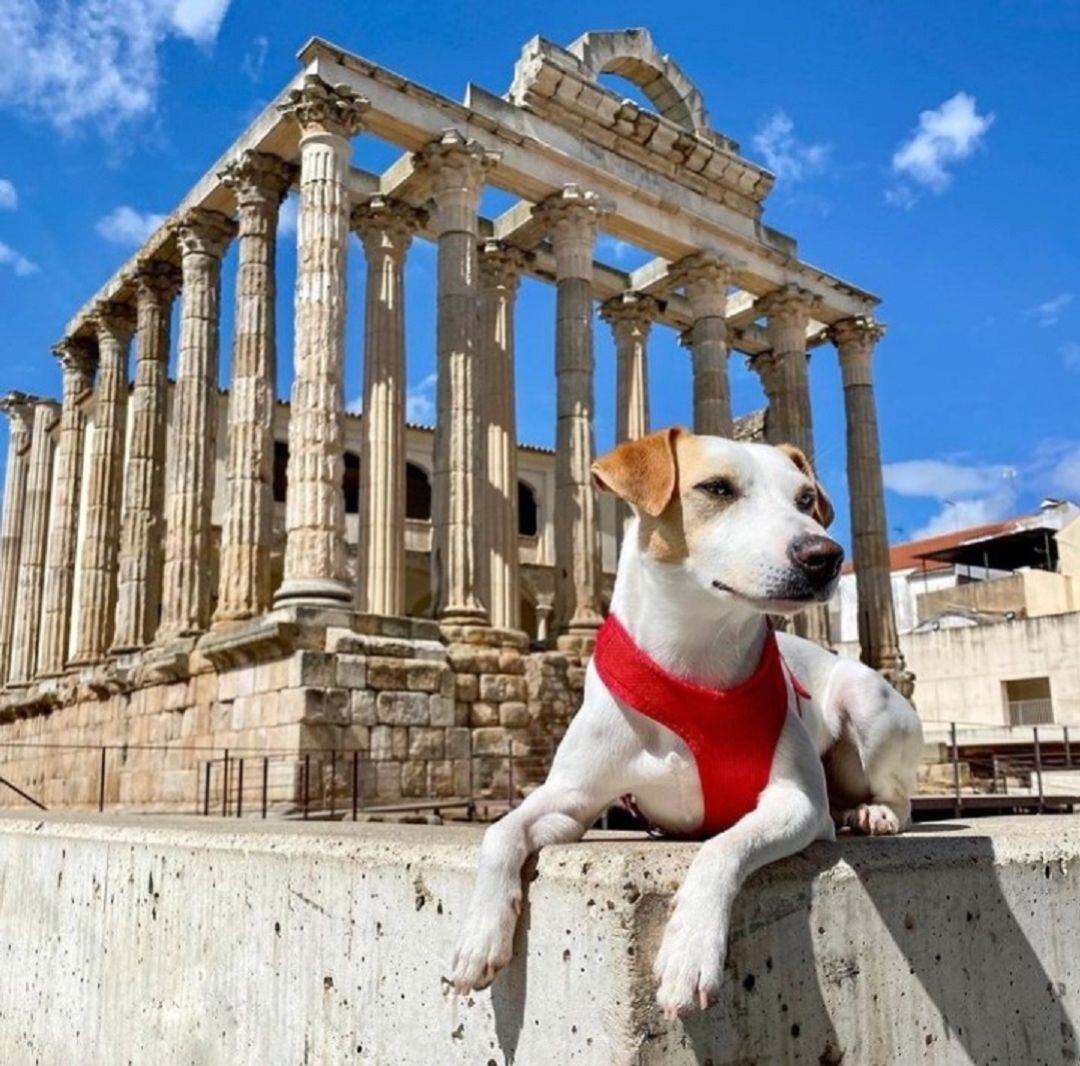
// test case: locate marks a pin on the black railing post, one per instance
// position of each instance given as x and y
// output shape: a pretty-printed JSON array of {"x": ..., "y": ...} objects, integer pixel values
[
  {"x": 206, "y": 789},
  {"x": 333, "y": 782},
  {"x": 307, "y": 778},
  {"x": 101, "y": 782},
  {"x": 225, "y": 786},
  {"x": 240, "y": 789},
  {"x": 958, "y": 803},
  {"x": 355, "y": 783},
  {"x": 265, "y": 782},
  {"x": 1038, "y": 766}
]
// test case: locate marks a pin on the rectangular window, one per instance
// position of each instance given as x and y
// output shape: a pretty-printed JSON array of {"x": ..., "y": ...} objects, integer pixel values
[{"x": 1028, "y": 701}]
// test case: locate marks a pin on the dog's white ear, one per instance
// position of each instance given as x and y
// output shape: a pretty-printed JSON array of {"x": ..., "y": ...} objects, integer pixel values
[
  {"x": 823, "y": 512},
  {"x": 643, "y": 472}
]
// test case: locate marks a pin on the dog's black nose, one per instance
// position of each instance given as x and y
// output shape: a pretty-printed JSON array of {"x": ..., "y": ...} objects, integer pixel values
[{"x": 818, "y": 557}]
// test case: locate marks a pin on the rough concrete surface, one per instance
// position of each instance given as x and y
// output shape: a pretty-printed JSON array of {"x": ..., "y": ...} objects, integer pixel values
[{"x": 203, "y": 941}]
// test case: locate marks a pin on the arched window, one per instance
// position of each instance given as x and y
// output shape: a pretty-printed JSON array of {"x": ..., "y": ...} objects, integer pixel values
[
  {"x": 351, "y": 483},
  {"x": 281, "y": 471},
  {"x": 528, "y": 511},
  {"x": 417, "y": 493}
]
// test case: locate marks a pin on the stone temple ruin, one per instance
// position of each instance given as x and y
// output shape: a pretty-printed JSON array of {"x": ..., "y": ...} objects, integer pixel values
[{"x": 150, "y": 600}]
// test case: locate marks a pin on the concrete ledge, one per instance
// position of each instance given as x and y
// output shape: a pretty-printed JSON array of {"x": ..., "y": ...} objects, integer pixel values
[{"x": 198, "y": 941}]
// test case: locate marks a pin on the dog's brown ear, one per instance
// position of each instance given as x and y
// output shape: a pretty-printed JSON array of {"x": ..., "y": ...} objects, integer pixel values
[
  {"x": 823, "y": 511},
  {"x": 643, "y": 471}
]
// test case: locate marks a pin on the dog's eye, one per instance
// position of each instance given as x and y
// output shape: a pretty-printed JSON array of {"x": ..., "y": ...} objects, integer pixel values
[
  {"x": 719, "y": 487},
  {"x": 805, "y": 500}
]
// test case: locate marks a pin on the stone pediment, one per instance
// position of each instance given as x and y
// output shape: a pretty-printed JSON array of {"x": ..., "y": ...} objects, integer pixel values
[{"x": 562, "y": 85}]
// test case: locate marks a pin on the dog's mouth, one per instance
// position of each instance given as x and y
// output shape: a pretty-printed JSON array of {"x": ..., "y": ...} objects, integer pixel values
[{"x": 788, "y": 599}]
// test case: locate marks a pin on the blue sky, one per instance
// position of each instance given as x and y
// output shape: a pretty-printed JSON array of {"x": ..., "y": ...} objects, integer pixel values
[{"x": 929, "y": 153}]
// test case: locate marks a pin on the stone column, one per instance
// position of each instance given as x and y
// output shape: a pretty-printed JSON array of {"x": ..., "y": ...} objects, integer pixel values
[
  {"x": 17, "y": 406},
  {"x": 854, "y": 339},
  {"x": 260, "y": 182},
  {"x": 500, "y": 273},
  {"x": 705, "y": 278},
  {"x": 457, "y": 170},
  {"x": 189, "y": 473},
  {"x": 101, "y": 535},
  {"x": 630, "y": 315},
  {"x": 142, "y": 532},
  {"x": 788, "y": 311},
  {"x": 386, "y": 228},
  {"x": 26, "y": 634},
  {"x": 78, "y": 369},
  {"x": 328, "y": 117},
  {"x": 571, "y": 217}
]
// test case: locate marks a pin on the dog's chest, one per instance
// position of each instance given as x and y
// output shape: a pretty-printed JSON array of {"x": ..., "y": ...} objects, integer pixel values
[{"x": 666, "y": 785}]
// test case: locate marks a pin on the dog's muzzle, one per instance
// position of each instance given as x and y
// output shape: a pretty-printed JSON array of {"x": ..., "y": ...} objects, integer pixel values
[{"x": 816, "y": 561}]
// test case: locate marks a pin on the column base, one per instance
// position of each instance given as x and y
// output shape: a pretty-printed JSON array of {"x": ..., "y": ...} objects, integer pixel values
[
  {"x": 313, "y": 591},
  {"x": 463, "y": 616}
]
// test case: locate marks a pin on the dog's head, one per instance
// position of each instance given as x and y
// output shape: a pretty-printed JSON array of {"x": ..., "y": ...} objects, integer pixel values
[{"x": 743, "y": 520}]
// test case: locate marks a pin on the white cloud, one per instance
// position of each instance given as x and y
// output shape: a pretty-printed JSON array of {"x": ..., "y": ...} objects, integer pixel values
[
  {"x": 19, "y": 263},
  {"x": 286, "y": 226},
  {"x": 93, "y": 62},
  {"x": 789, "y": 158},
  {"x": 945, "y": 135},
  {"x": 1070, "y": 354},
  {"x": 420, "y": 401},
  {"x": 1065, "y": 476},
  {"x": 9, "y": 198},
  {"x": 254, "y": 61},
  {"x": 125, "y": 225},
  {"x": 962, "y": 514},
  {"x": 199, "y": 20},
  {"x": 940, "y": 479},
  {"x": 617, "y": 249},
  {"x": 1049, "y": 311}
]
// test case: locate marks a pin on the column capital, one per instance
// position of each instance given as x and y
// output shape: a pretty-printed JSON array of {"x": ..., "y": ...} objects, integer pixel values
[
  {"x": 456, "y": 162},
  {"x": 258, "y": 179},
  {"x": 630, "y": 309},
  {"x": 789, "y": 306},
  {"x": 205, "y": 232},
  {"x": 156, "y": 279},
  {"x": 501, "y": 264},
  {"x": 851, "y": 335},
  {"x": 19, "y": 407},
  {"x": 75, "y": 355},
  {"x": 319, "y": 107},
  {"x": 705, "y": 276},
  {"x": 46, "y": 415},
  {"x": 114, "y": 320},
  {"x": 571, "y": 217},
  {"x": 386, "y": 225}
]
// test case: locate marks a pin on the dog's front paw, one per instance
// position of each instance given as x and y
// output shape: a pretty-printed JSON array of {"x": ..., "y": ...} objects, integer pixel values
[
  {"x": 690, "y": 963},
  {"x": 871, "y": 819},
  {"x": 486, "y": 944}
]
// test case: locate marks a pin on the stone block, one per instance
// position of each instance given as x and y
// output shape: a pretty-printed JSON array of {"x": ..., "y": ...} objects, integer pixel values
[
  {"x": 423, "y": 677},
  {"x": 458, "y": 743},
  {"x": 441, "y": 778},
  {"x": 467, "y": 687},
  {"x": 351, "y": 671},
  {"x": 362, "y": 702},
  {"x": 490, "y": 741},
  {"x": 483, "y": 714},
  {"x": 497, "y": 688},
  {"x": 414, "y": 778},
  {"x": 426, "y": 742},
  {"x": 443, "y": 711},
  {"x": 403, "y": 708},
  {"x": 388, "y": 780},
  {"x": 514, "y": 715},
  {"x": 386, "y": 673}
]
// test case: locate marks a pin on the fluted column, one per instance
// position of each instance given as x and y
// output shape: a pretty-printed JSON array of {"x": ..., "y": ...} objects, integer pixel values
[
  {"x": 705, "y": 278},
  {"x": 101, "y": 534},
  {"x": 500, "y": 273},
  {"x": 788, "y": 311},
  {"x": 189, "y": 470},
  {"x": 315, "y": 510},
  {"x": 571, "y": 217},
  {"x": 260, "y": 182},
  {"x": 630, "y": 315},
  {"x": 855, "y": 339},
  {"x": 142, "y": 531},
  {"x": 17, "y": 406},
  {"x": 25, "y": 637},
  {"x": 78, "y": 369},
  {"x": 386, "y": 228},
  {"x": 457, "y": 169}
]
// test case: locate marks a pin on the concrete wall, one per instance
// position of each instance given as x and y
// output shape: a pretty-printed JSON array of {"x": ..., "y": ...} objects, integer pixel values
[
  {"x": 960, "y": 672},
  {"x": 192, "y": 942}
]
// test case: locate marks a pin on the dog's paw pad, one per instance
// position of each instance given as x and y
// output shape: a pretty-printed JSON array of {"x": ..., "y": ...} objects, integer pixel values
[{"x": 871, "y": 819}]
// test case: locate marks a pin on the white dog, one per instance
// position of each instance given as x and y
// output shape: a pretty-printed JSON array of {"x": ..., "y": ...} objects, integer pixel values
[{"x": 724, "y": 535}]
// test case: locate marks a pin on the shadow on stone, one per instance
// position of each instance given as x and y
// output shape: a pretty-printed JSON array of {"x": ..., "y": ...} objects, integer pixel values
[{"x": 508, "y": 991}]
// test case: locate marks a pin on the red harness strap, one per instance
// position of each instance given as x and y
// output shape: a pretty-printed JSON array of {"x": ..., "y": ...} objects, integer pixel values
[{"x": 732, "y": 733}]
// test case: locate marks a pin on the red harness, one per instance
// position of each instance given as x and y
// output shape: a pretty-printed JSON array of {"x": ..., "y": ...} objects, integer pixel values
[{"x": 732, "y": 733}]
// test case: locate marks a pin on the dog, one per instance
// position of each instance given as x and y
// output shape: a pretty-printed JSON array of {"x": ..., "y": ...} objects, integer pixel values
[{"x": 723, "y": 535}]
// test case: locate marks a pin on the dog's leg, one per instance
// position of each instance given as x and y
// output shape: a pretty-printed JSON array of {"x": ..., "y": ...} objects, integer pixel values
[
  {"x": 690, "y": 962},
  {"x": 553, "y": 814}
]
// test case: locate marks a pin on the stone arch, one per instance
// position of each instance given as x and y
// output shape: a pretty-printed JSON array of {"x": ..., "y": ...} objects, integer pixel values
[{"x": 632, "y": 55}]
